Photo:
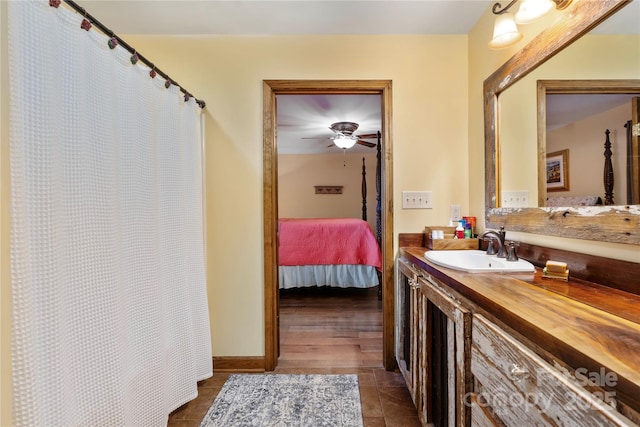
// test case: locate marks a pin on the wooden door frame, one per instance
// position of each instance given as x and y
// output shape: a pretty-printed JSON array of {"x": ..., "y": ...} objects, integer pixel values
[{"x": 271, "y": 88}]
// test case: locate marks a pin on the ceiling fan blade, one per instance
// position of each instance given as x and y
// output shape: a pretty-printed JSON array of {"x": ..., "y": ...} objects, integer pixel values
[
  {"x": 368, "y": 136},
  {"x": 366, "y": 143},
  {"x": 318, "y": 137}
]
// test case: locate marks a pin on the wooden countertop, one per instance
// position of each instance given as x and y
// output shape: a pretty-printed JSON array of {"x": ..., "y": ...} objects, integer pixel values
[{"x": 581, "y": 323}]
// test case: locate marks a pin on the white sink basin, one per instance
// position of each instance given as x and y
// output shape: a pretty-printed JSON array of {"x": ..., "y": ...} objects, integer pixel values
[{"x": 477, "y": 262}]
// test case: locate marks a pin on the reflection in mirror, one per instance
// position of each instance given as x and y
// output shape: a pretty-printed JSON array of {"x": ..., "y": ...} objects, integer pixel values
[
  {"x": 620, "y": 224},
  {"x": 575, "y": 116},
  {"x": 523, "y": 157}
]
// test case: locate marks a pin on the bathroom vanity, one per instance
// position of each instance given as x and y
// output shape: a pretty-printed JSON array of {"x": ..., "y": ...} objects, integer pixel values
[{"x": 514, "y": 349}]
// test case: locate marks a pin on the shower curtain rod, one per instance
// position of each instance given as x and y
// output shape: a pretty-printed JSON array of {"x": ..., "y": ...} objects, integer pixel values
[{"x": 124, "y": 44}]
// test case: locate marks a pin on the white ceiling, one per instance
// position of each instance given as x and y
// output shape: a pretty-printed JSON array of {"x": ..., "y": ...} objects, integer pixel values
[
  {"x": 299, "y": 116},
  {"x": 287, "y": 17},
  {"x": 562, "y": 109}
]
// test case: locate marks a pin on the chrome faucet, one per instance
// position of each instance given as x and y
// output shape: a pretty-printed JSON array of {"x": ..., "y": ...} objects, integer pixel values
[{"x": 499, "y": 236}]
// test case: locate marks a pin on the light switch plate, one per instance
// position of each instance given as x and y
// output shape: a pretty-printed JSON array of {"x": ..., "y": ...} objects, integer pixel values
[
  {"x": 515, "y": 199},
  {"x": 417, "y": 200}
]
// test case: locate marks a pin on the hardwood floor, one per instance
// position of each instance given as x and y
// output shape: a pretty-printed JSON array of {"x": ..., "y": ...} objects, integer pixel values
[
  {"x": 328, "y": 331},
  {"x": 330, "y": 327}
]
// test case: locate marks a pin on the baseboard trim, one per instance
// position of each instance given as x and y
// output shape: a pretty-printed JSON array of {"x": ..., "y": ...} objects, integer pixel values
[{"x": 238, "y": 364}]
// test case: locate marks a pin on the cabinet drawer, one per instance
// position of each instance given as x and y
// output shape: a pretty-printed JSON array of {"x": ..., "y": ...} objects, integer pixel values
[{"x": 523, "y": 389}]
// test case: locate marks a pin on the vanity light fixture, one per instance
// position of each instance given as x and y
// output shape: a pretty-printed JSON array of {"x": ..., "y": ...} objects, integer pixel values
[
  {"x": 344, "y": 141},
  {"x": 505, "y": 29}
]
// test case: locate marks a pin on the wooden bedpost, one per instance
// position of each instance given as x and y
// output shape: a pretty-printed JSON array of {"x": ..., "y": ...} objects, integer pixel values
[
  {"x": 379, "y": 205},
  {"x": 378, "y": 189},
  {"x": 364, "y": 191},
  {"x": 608, "y": 171}
]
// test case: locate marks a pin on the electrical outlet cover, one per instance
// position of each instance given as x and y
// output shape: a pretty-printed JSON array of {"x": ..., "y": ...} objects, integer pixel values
[{"x": 456, "y": 212}]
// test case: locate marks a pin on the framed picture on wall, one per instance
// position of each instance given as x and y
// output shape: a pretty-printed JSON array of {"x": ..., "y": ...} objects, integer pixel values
[{"x": 558, "y": 171}]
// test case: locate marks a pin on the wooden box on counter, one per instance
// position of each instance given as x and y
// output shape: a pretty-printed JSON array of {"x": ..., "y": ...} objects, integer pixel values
[{"x": 448, "y": 243}]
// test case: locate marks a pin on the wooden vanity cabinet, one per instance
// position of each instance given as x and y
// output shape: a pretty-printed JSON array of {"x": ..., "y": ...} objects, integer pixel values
[{"x": 465, "y": 367}]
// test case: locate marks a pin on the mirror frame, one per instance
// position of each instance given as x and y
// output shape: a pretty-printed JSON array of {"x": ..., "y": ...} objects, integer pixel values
[
  {"x": 573, "y": 87},
  {"x": 617, "y": 224}
]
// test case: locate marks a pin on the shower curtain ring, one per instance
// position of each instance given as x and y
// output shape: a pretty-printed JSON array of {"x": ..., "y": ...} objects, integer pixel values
[
  {"x": 85, "y": 25},
  {"x": 113, "y": 42}
]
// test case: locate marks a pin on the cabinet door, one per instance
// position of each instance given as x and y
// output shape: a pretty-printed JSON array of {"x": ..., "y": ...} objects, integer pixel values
[
  {"x": 520, "y": 388},
  {"x": 445, "y": 360},
  {"x": 407, "y": 324}
]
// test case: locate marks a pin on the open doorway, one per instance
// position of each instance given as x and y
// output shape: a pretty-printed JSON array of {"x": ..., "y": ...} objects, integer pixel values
[
  {"x": 328, "y": 212},
  {"x": 271, "y": 89}
]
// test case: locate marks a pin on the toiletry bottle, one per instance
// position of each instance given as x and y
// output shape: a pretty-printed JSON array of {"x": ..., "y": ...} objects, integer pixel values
[
  {"x": 460, "y": 230},
  {"x": 467, "y": 231}
]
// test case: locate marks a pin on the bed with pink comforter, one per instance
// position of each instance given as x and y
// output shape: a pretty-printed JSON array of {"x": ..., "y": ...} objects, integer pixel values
[{"x": 338, "y": 252}]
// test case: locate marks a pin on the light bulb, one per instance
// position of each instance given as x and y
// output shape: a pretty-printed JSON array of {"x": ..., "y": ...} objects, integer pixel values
[{"x": 343, "y": 141}]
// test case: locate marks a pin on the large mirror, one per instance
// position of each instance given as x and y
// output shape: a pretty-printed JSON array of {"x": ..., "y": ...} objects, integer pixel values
[{"x": 620, "y": 224}]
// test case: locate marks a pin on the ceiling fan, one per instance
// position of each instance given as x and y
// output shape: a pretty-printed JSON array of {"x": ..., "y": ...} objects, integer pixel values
[{"x": 345, "y": 138}]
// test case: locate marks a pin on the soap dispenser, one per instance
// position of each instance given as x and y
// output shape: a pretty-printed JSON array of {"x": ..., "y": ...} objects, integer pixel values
[{"x": 460, "y": 230}]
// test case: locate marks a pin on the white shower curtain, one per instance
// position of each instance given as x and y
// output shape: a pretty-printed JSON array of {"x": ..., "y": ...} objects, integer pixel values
[{"x": 110, "y": 316}]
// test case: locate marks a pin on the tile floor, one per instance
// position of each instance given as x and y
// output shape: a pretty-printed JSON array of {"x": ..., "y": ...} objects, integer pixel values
[{"x": 328, "y": 332}]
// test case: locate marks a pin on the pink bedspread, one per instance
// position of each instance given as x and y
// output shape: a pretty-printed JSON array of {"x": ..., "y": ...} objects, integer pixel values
[{"x": 327, "y": 241}]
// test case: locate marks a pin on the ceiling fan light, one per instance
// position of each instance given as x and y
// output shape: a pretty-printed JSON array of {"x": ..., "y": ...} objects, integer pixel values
[
  {"x": 505, "y": 32},
  {"x": 344, "y": 142},
  {"x": 530, "y": 10}
]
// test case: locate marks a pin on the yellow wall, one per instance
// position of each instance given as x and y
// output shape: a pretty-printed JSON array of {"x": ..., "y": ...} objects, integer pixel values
[
  {"x": 299, "y": 173},
  {"x": 429, "y": 142}
]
